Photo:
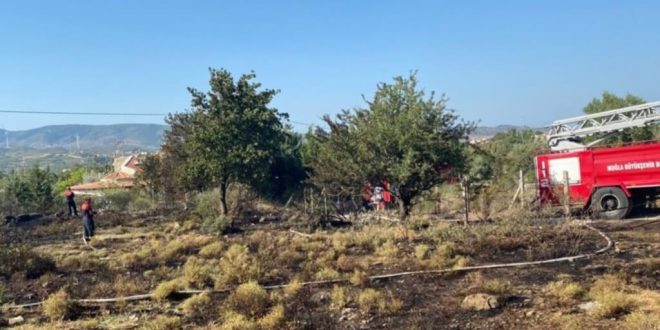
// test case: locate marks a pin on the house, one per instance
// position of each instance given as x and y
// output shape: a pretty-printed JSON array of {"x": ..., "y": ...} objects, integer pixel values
[{"x": 124, "y": 176}]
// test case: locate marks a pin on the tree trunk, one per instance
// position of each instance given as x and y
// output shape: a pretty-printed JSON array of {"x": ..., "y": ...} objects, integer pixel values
[
  {"x": 223, "y": 198},
  {"x": 404, "y": 207}
]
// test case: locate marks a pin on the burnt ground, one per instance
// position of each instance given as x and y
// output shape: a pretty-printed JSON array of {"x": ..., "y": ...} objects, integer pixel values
[{"x": 429, "y": 301}]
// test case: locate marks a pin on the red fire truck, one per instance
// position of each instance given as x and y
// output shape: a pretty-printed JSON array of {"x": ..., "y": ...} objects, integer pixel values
[{"x": 609, "y": 181}]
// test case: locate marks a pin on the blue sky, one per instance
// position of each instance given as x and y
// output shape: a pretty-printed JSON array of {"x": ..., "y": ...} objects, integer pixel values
[{"x": 500, "y": 62}]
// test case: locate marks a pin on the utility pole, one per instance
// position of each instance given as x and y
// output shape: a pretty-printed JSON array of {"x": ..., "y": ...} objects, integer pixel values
[
  {"x": 6, "y": 139},
  {"x": 78, "y": 143}
]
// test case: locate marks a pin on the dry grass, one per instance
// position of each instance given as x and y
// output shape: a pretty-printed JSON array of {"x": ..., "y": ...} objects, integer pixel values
[{"x": 212, "y": 250}]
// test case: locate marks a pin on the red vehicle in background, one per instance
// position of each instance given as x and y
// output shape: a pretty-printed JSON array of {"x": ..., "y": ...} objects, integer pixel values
[{"x": 609, "y": 181}]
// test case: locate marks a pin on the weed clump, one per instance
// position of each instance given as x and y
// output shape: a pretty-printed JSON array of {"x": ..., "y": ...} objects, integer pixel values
[{"x": 57, "y": 307}]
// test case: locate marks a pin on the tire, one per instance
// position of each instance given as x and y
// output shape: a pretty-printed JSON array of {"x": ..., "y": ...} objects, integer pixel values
[{"x": 610, "y": 203}]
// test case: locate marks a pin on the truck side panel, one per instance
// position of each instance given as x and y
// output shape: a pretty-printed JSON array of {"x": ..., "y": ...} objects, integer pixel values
[{"x": 629, "y": 167}]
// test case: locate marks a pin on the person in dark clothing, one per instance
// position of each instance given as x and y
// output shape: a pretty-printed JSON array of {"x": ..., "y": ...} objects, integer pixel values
[
  {"x": 70, "y": 202},
  {"x": 88, "y": 219}
]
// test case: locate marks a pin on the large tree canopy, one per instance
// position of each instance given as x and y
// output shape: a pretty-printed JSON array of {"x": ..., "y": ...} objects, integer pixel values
[
  {"x": 230, "y": 135},
  {"x": 610, "y": 101},
  {"x": 403, "y": 136}
]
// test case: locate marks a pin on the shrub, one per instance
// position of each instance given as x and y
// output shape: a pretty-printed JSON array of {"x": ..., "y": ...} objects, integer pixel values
[
  {"x": 57, "y": 306},
  {"x": 212, "y": 250},
  {"x": 249, "y": 297},
  {"x": 326, "y": 273},
  {"x": 612, "y": 304},
  {"x": 368, "y": 300},
  {"x": 115, "y": 200},
  {"x": 639, "y": 320},
  {"x": 461, "y": 261},
  {"x": 199, "y": 272},
  {"x": 235, "y": 321},
  {"x": 387, "y": 250},
  {"x": 162, "y": 322},
  {"x": 237, "y": 266},
  {"x": 197, "y": 307},
  {"x": 217, "y": 225},
  {"x": 338, "y": 297},
  {"x": 141, "y": 203},
  {"x": 565, "y": 291},
  {"x": 20, "y": 259},
  {"x": 359, "y": 278},
  {"x": 421, "y": 251},
  {"x": 292, "y": 290},
  {"x": 164, "y": 290},
  {"x": 497, "y": 287},
  {"x": 274, "y": 319},
  {"x": 390, "y": 305}
]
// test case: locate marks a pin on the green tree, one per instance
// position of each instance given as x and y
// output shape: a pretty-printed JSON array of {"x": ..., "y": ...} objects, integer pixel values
[
  {"x": 610, "y": 101},
  {"x": 403, "y": 136},
  {"x": 230, "y": 135}
]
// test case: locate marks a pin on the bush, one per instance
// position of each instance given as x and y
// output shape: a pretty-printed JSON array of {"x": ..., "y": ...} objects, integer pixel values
[
  {"x": 612, "y": 304},
  {"x": 249, "y": 297},
  {"x": 639, "y": 320},
  {"x": 421, "y": 251},
  {"x": 57, "y": 307},
  {"x": 141, "y": 203}
]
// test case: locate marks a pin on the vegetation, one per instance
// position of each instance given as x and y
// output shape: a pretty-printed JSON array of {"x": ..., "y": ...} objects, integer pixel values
[
  {"x": 610, "y": 101},
  {"x": 404, "y": 137},
  {"x": 231, "y": 135}
]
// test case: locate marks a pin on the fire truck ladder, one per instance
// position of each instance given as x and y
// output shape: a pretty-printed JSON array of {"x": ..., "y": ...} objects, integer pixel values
[{"x": 566, "y": 134}]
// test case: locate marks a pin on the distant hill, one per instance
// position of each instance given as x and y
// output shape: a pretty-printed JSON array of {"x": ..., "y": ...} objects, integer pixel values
[{"x": 97, "y": 138}]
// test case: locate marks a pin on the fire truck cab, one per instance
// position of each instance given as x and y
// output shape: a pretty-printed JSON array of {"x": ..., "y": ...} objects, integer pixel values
[{"x": 609, "y": 181}]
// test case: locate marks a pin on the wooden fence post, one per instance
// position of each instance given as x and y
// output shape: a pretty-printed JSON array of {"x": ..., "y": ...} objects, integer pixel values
[
  {"x": 522, "y": 188},
  {"x": 567, "y": 197}
]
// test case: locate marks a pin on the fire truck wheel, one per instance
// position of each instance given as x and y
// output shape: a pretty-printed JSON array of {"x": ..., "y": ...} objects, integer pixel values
[{"x": 610, "y": 203}]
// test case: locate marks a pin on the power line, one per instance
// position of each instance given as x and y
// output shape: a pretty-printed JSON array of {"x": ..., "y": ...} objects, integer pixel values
[
  {"x": 106, "y": 114},
  {"x": 82, "y": 113}
]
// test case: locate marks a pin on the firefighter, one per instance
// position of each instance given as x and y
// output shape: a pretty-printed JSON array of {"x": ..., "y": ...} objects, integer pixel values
[
  {"x": 70, "y": 202},
  {"x": 88, "y": 219}
]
